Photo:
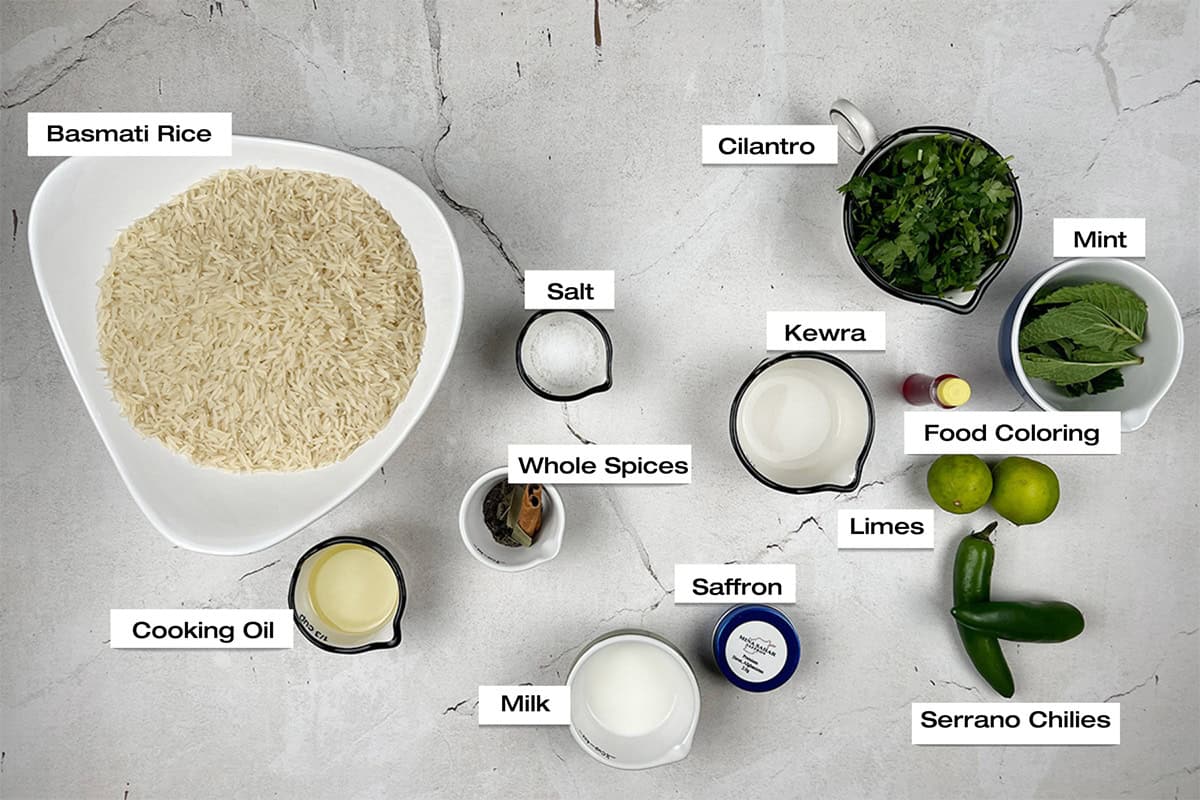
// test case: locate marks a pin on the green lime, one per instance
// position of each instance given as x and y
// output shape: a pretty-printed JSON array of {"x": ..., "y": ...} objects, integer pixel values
[
  {"x": 959, "y": 484},
  {"x": 1026, "y": 491}
]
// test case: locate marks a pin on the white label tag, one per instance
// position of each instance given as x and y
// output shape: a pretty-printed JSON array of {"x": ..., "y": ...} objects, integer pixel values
[
  {"x": 1012, "y": 432},
  {"x": 110, "y": 133},
  {"x": 200, "y": 629},
  {"x": 885, "y": 529},
  {"x": 600, "y": 463},
  {"x": 735, "y": 583},
  {"x": 755, "y": 651},
  {"x": 825, "y": 330},
  {"x": 570, "y": 288},
  {"x": 768, "y": 144},
  {"x": 1100, "y": 236},
  {"x": 1016, "y": 723},
  {"x": 524, "y": 705}
]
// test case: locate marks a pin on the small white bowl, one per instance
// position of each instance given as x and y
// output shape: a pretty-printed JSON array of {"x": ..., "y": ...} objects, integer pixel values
[
  {"x": 478, "y": 538},
  {"x": 1162, "y": 349},
  {"x": 635, "y": 701}
]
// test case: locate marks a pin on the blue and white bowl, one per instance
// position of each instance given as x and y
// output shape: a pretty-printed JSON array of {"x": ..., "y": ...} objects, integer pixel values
[{"x": 1162, "y": 349}]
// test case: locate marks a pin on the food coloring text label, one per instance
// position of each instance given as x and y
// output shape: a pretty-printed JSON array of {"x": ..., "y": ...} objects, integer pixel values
[
  {"x": 826, "y": 330},
  {"x": 1012, "y": 432},
  {"x": 735, "y": 583},
  {"x": 1016, "y": 723},
  {"x": 885, "y": 529}
]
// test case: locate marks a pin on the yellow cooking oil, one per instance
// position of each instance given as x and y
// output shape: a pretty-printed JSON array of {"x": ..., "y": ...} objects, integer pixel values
[{"x": 352, "y": 588}]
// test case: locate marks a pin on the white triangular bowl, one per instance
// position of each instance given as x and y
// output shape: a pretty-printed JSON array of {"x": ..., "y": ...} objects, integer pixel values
[{"x": 76, "y": 216}]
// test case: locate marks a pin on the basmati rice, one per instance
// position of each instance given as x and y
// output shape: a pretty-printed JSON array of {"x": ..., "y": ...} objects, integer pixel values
[{"x": 263, "y": 320}]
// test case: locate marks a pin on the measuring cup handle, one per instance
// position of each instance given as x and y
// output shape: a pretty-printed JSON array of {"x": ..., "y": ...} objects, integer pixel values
[{"x": 853, "y": 126}]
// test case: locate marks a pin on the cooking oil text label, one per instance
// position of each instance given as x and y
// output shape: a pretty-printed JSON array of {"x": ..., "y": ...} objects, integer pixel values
[
  {"x": 885, "y": 529},
  {"x": 768, "y": 144},
  {"x": 1016, "y": 723},
  {"x": 200, "y": 629},
  {"x": 570, "y": 288},
  {"x": 1012, "y": 432},
  {"x": 600, "y": 463},
  {"x": 826, "y": 330},
  {"x": 110, "y": 133},
  {"x": 524, "y": 705},
  {"x": 1099, "y": 236},
  {"x": 735, "y": 583}
]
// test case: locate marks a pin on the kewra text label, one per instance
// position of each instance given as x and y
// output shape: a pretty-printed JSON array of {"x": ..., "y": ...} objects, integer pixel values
[
  {"x": 1016, "y": 723},
  {"x": 825, "y": 330},
  {"x": 205, "y": 628},
  {"x": 885, "y": 529},
  {"x": 768, "y": 144},
  {"x": 570, "y": 288},
  {"x": 524, "y": 705},
  {"x": 130, "y": 134},
  {"x": 600, "y": 463},
  {"x": 1099, "y": 236},
  {"x": 1008, "y": 432},
  {"x": 729, "y": 583}
]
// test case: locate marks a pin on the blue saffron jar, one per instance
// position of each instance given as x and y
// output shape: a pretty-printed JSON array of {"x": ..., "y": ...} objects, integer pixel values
[{"x": 756, "y": 647}]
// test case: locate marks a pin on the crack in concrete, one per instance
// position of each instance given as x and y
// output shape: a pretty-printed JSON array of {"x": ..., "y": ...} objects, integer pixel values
[
  {"x": 962, "y": 686},
  {"x": 82, "y": 52},
  {"x": 699, "y": 229},
  {"x": 806, "y": 521},
  {"x": 567, "y": 421},
  {"x": 1130, "y": 691},
  {"x": 1110, "y": 76},
  {"x": 260, "y": 569},
  {"x": 886, "y": 479},
  {"x": 1167, "y": 96},
  {"x": 643, "y": 555},
  {"x": 455, "y": 708},
  {"x": 429, "y": 158}
]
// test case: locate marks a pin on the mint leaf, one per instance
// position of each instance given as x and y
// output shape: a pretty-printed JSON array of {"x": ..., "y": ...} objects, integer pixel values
[
  {"x": 1083, "y": 323},
  {"x": 1097, "y": 355},
  {"x": 1122, "y": 305},
  {"x": 1060, "y": 371},
  {"x": 1104, "y": 382}
]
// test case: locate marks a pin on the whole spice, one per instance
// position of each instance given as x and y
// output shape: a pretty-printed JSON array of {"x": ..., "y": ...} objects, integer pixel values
[
  {"x": 1079, "y": 337},
  {"x": 932, "y": 215},
  {"x": 1022, "y": 621},
  {"x": 973, "y": 584},
  {"x": 513, "y": 513}
]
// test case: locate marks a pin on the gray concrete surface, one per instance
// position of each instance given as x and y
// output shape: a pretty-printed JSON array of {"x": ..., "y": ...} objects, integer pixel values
[{"x": 566, "y": 153}]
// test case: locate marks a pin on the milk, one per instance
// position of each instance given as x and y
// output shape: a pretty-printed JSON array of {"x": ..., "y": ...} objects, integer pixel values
[{"x": 630, "y": 687}]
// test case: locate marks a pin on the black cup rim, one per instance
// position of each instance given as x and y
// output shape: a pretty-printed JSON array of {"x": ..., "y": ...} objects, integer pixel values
[
  {"x": 762, "y": 367},
  {"x": 378, "y": 548},
  {"x": 987, "y": 278},
  {"x": 567, "y": 398}
]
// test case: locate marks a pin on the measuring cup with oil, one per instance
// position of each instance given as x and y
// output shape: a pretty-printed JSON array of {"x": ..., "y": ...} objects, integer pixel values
[{"x": 347, "y": 595}]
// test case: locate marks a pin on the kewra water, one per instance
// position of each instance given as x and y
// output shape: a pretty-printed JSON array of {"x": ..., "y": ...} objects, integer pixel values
[{"x": 352, "y": 588}]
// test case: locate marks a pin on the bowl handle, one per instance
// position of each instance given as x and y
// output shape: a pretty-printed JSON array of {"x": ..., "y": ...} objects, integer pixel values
[
  {"x": 1134, "y": 418},
  {"x": 853, "y": 126}
]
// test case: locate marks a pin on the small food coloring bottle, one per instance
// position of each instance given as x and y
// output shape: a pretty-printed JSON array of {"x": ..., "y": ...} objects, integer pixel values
[{"x": 947, "y": 391}]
